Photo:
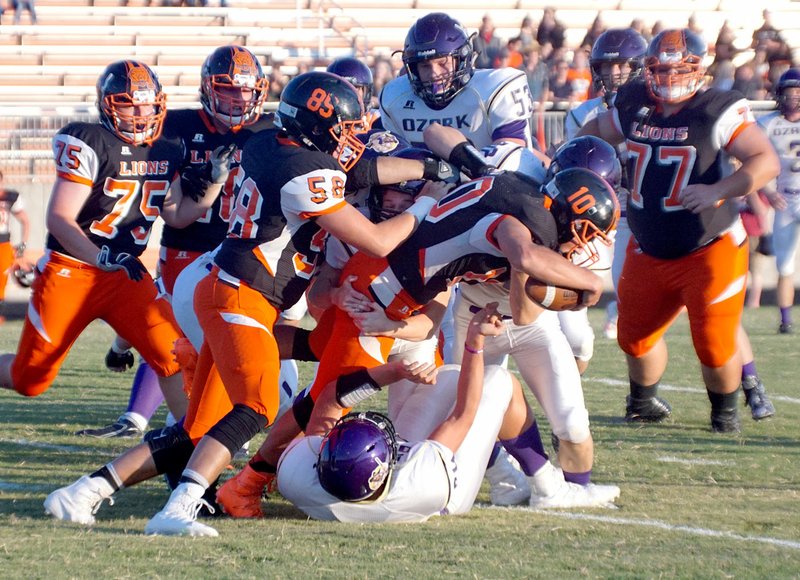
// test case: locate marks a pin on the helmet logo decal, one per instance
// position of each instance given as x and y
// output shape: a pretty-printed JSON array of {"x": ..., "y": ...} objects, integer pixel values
[
  {"x": 379, "y": 474},
  {"x": 383, "y": 142},
  {"x": 581, "y": 200},
  {"x": 320, "y": 102}
]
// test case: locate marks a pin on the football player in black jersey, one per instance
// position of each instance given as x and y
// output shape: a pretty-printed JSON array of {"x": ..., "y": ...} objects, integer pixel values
[{"x": 689, "y": 247}]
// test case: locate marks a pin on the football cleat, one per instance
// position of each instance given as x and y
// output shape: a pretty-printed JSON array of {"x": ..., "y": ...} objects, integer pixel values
[
  {"x": 80, "y": 501},
  {"x": 755, "y": 397},
  {"x": 786, "y": 329},
  {"x": 508, "y": 485},
  {"x": 240, "y": 496},
  {"x": 121, "y": 428},
  {"x": 650, "y": 410},
  {"x": 610, "y": 330},
  {"x": 725, "y": 421},
  {"x": 179, "y": 516},
  {"x": 550, "y": 490}
]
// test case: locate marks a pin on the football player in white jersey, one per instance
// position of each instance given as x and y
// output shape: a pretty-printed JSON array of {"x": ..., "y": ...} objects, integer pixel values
[
  {"x": 361, "y": 472},
  {"x": 533, "y": 337},
  {"x": 442, "y": 86},
  {"x": 617, "y": 56},
  {"x": 783, "y": 128}
]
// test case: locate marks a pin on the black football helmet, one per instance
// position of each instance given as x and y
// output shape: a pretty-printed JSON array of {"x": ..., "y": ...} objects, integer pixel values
[
  {"x": 589, "y": 152},
  {"x": 434, "y": 36},
  {"x": 586, "y": 211},
  {"x": 324, "y": 112},
  {"x": 123, "y": 87},
  {"x": 786, "y": 103},
  {"x": 674, "y": 69},
  {"x": 357, "y": 456},
  {"x": 357, "y": 73},
  {"x": 617, "y": 46},
  {"x": 224, "y": 73}
]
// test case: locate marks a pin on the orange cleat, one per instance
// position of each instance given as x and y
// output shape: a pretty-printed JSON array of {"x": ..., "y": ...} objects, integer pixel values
[{"x": 240, "y": 496}]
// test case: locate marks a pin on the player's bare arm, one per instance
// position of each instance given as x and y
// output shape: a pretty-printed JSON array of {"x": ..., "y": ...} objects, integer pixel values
[
  {"x": 759, "y": 166},
  {"x": 543, "y": 264},
  {"x": 422, "y": 326},
  {"x": 453, "y": 430},
  {"x": 523, "y": 309},
  {"x": 378, "y": 240},
  {"x": 603, "y": 126},
  {"x": 66, "y": 201}
]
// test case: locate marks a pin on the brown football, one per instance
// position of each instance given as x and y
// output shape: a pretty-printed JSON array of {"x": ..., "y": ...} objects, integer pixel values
[{"x": 553, "y": 297}]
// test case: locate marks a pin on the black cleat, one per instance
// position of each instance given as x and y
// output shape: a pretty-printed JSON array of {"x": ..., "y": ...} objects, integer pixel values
[
  {"x": 650, "y": 410},
  {"x": 755, "y": 397},
  {"x": 785, "y": 329},
  {"x": 122, "y": 428},
  {"x": 725, "y": 421}
]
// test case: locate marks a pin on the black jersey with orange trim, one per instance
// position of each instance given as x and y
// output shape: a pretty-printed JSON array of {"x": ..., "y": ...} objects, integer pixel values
[
  {"x": 273, "y": 242},
  {"x": 455, "y": 240},
  {"x": 200, "y": 138},
  {"x": 666, "y": 153},
  {"x": 128, "y": 184}
]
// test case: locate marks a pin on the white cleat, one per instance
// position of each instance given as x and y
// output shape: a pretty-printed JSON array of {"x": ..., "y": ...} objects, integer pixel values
[
  {"x": 80, "y": 501},
  {"x": 509, "y": 485},
  {"x": 549, "y": 490},
  {"x": 179, "y": 516}
]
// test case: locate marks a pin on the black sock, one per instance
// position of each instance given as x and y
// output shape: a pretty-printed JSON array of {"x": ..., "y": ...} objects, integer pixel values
[
  {"x": 643, "y": 392},
  {"x": 723, "y": 402},
  {"x": 106, "y": 474}
]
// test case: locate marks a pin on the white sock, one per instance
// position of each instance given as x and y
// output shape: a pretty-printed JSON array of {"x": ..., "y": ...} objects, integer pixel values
[{"x": 136, "y": 419}]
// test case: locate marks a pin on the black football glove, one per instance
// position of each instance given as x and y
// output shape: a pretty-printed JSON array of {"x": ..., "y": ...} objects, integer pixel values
[
  {"x": 197, "y": 178},
  {"x": 122, "y": 261},
  {"x": 119, "y": 362},
  {"x": 439, "y": 170}
]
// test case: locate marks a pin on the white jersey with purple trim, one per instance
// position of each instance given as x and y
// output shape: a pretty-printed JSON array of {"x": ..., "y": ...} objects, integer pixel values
[
  {"x": 785, "y": 138},
  {"x": 496, "y": 103},
  {"x": 428, "y": 479},
  {"x": 582, "y": 114}
]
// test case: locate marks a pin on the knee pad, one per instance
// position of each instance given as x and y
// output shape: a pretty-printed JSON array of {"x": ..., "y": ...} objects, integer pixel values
[
  {"x": 238, "y": 427},
  {"x": 353, "y": 388},
  {"x": 301, "y": 348},
  {"x": 574, "y": 426},
  {"x": 170, "y": 447}
]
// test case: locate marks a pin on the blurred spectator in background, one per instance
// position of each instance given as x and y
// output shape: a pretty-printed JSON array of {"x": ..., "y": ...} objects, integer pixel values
[
  {"x": 20, "y": 5},
  {"x": 596, "y": 29},
  {"x": 488, "y": 46},
  {"x": 550, "y": 30},
  {"x": 580, "y": 75},
  {"x": 512, "y": 55},
  {"x": 277, "y": 80},
  {"x": 747, "y": 82},
  {"x": 692, "y": 25},
  {"x": 538, "y": 74},
  {"x": 723, "y": 75},
  {"x": 769, "y": 39},
  {"x": 657, "y": 27},
  {"x": 638, "y": 25},
  {"x": 382, "y": 73},
  {"x": 527, "y": 32},
  {"x": 560, "y": 86},
  {"x": 724, "y": 50}
]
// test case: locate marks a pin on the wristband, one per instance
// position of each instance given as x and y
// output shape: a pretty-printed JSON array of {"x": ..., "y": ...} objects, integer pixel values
[
  {"x": 472, "y": 350},
  {"x": 421, "y": 207}
]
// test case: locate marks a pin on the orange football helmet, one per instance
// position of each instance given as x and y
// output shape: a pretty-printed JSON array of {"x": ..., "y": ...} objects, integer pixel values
[{"x": 674, "y": 69}]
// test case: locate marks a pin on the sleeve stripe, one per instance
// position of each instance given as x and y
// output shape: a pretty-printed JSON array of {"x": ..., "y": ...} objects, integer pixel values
[
  {"x": 74, "y": 178},
  {"x": 737, "y": 132},
  {"x": 311, "y": 214},
  {"x": 499, "y": 89}
]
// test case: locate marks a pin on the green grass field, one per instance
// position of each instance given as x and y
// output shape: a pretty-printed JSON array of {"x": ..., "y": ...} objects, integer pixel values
[{"x": 693, "y": 504}]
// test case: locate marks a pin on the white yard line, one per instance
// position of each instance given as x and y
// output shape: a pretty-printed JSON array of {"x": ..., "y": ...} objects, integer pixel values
[
  {"x": 617, "y": 382},
  {"x": 53, "y": 447},
  {"x": 673, "y": 459},
  {"x": 794, "y": 545}
]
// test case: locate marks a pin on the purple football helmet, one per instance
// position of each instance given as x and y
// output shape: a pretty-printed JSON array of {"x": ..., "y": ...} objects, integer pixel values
[
  {"x": 586, "y": 211},
  {"x": 375, "y": 201},
  {"x": 617, "y": 46},
  {"x": 357, "y": 456},
  {"x": 436, "y": 35},
  {"x": 589, "y": 152},
  {"x": 357, "y": 73},
  {"x": 790, "y": 79}
]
